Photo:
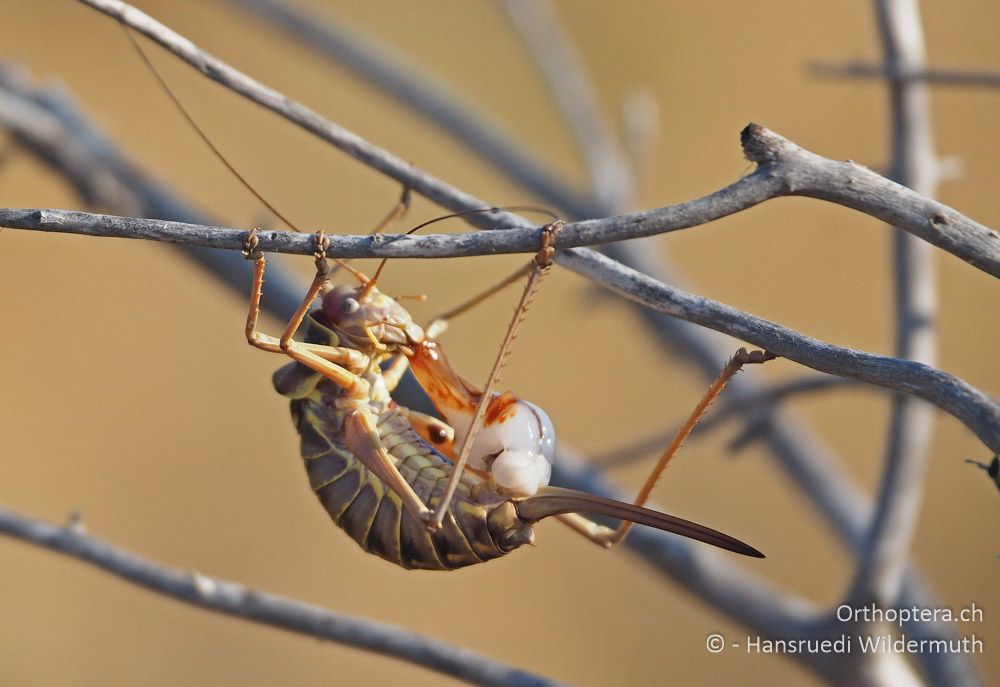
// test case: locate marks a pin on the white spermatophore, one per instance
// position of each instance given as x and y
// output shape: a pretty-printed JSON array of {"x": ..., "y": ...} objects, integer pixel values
[{"x": 518, "y": 450}]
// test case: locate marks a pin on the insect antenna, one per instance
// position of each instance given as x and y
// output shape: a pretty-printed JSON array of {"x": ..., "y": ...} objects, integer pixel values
[{"x": 360, "y": 276}]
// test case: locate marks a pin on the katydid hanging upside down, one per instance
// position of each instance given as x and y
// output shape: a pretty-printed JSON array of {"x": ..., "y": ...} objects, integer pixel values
[{"x": 390, "y": 477}]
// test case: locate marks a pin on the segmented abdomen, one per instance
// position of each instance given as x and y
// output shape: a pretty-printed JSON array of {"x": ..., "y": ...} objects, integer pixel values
[{"x": 478, "y": 527}]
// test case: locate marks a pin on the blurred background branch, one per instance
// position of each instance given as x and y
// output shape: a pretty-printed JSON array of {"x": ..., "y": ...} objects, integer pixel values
[
  {"x": 222, "y": 596},
  {"x": 936, "y": 77},
  {"x": 882, "y": 547}
]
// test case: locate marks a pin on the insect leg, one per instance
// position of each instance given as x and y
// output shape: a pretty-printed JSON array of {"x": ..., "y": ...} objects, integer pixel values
[
  {"x": 394, "y": 371},
  {"x": 605, "y": 536},
  {"x": 361, "y": 430},
  {"x": 434, "y": 431},
  {"x": 352, "y": 359},
  {"x": 362, "y": 439},
  {"x": 540, "y": 266}
]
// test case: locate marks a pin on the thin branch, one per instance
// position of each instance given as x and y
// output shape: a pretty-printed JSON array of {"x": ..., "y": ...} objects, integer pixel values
[
  {"x": 880, "y": 569},
  {"x": 710, "y": 575},
  {"x": 810, "y": 464},
  {"x": 519, "y": 240},
  {"x": 347, "y": 141},
  {"x": 611, "y": 182},
  {"x": 48, "y": 122},
  {"x": 750, "y": 593},
  {"x": 806, "y": 460},
  {"x": 784, "y": 169},
  {"x": 567, "y": 78},
  {"x": 231, "y": 598},
  {"x": 760, "y": 403},
  {"x": 798, "y": 172},
  {"x": 757, "y": 603},
  {"x": 378, "y": 65},
  {"x": 951, "y": 394},
  {"x": 929, "y": 75}
]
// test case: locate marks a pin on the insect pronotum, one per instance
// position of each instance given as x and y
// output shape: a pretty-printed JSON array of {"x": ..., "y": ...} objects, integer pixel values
[{"x": 374, "y": 465}]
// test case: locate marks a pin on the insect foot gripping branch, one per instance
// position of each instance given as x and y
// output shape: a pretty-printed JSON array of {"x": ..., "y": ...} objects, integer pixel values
[{"x": 377, "y": 478}]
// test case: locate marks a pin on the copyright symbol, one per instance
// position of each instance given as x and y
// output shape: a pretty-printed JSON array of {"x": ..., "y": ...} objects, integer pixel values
[{"x": 715, "y": 643}]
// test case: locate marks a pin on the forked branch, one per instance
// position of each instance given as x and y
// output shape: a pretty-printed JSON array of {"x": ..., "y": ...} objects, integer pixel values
[
  {"x": 953, "y": 395},
  {"x": 784, "y": 169}
]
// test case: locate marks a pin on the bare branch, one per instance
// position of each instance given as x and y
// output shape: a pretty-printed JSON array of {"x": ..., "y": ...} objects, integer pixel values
[
  {"x": 757, "y": 404},
  {"x": 582, "y": 252},
  {"x": 753, "y": 600},
  {"x": 47, "y": 122},
  {"x": 810, "y": 464},
  {"x": 307, "y": 119},
  {"x": 806, "y": 460},
  {"x": 880, "y": 568},
  {"x": 992, "y": 469},
  {"x": 394, "y": 74},
  {"x": 567, "y": 78},
  {"x": 756, "y": 598},
  {"x": 949, "y": 393},
  {"x": 929, "y": 75},
  {"x": 803, "y": 456},
  {"x": 799, "y": 172},
  {"x": 555, "y": 55},
  {"x": 231, "y": 598},
  {"x": 520, "y": 240},
  {"x": 784, "y": 169},
  {"x": 946, "y": 391}
]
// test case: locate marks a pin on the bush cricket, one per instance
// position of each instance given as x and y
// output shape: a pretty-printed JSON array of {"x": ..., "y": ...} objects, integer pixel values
[{"x": 373, "y": 464}]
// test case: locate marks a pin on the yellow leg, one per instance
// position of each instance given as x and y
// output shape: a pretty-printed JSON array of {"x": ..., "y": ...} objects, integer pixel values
[
  {"x": 335, "y": 363},
  {"x": 360, "y": 428}
]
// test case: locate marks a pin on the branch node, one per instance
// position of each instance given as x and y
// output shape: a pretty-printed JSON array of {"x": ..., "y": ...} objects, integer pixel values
[{"x": 75, "y": 523}]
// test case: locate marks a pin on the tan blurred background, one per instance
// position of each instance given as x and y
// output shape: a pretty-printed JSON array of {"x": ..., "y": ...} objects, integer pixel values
[{"x": 130, "y": 394}]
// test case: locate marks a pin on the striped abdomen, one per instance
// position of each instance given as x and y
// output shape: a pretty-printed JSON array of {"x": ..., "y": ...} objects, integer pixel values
[{"x": 480, "y": 524}]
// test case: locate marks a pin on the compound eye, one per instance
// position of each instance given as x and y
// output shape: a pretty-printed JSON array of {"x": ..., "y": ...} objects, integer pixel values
[{"x": 349, "y": 306}]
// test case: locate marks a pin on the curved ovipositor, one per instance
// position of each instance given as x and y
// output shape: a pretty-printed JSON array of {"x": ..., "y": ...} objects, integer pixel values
[{"x": 482, "y": 523}]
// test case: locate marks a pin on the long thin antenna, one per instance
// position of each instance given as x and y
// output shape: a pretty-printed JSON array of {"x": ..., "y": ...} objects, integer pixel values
[{"x": 204, "y": 137}]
